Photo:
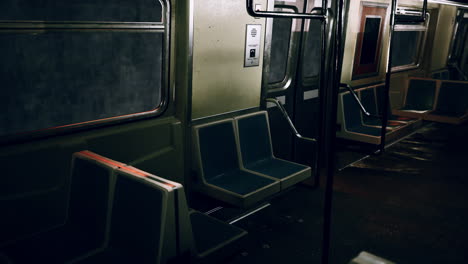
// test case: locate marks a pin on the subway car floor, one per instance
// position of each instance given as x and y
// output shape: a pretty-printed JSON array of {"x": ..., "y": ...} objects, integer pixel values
[{"x": 409, "y": 205}]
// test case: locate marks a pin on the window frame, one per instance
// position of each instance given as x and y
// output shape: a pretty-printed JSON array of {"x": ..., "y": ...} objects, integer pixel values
[
  {"x": 455, "y": 50},
  {"x": 421, "y": 27},
  {"x": 164, "y": 27},
  {"x": 360, "y": 71},
  {"x": 291, "y": 58},
  {"x": 309, "y": 80}
]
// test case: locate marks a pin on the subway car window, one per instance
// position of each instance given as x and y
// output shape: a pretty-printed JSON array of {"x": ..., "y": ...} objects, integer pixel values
[
  {"x": 84, "y": 10},
  {"x": 369, "y": 40},
  {"x": 312, "y": 50},
  {"x": 406, "y": 48},
  {"x": 459, "y": 38},
  {"x": 459, "y": 44},
  {"x": 69, "y": 76},
  {"x": 408, "y": 44},
  {"x": 458, "y": 51},
  {"x": 280, "y": 41}
]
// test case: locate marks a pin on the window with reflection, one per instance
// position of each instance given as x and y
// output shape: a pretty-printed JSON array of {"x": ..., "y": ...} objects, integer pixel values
[
  {"x": 99, "y": 61},
  {"x": 408, "y": 45},
  {"x": 279, "y": 54},
  {"x": 82, "y": 10},
  {"x": 369, "y": 41},
  {"x": 279, "y": 46},
  {"x": 312, "y": 50},
  {"x": 459, "y": 50}
]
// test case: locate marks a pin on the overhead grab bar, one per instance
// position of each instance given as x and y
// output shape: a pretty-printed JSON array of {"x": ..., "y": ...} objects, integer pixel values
[
  {"x": 403, "y": 18},
  {"x": 291, "y": 125},
  {"x": 272, "y": 14}
]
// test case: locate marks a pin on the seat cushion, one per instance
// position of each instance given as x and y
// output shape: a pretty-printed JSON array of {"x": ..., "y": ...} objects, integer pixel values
[
  {"x": 372, "y": 131},
  {"x": 240, "y": 182},
  {"x": 275, "y": 167}
]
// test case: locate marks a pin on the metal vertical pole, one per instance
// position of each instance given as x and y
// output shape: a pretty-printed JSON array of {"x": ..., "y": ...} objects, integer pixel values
[
  {"x": 323, "y": 83},
  {"x": 386, "y": 91},
  {"x": 328, "y": 135}
]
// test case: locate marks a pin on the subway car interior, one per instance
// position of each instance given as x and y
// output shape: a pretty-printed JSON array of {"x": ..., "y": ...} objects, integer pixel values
[{"x": 234, "y": 131}]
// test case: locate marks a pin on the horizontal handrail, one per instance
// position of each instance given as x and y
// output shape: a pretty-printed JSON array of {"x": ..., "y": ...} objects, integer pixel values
[
  {"x": 291, "y": 125},
  {"x": 356, "y": 98},
  {"x": 402, "y": 18},
  {"x": 272, "y": 14}
]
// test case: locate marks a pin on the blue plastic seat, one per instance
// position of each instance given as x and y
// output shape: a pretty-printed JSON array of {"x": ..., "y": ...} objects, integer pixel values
[
  {"x": 219, "y": 170},
  {"x": 421, "y": 95},
  {"x": 187, "y": 232},
  {"x": 359, "y": 127},
  {"x": 257, "y": 154},
  {"x": 151, "y": 223},
  {"x": 420, "y": 98},
  {"x": 120, "y": 214},
  {"x": 350, "y": 120},
  {"x": 85, "y": 229},
  {"x": 452, "y": 103},
  {"x": 352, "y": 116},
  {"x": 380, "y": 94},
  {"x": 368, "y": 99},
  {"x": 452, "y": 99}
]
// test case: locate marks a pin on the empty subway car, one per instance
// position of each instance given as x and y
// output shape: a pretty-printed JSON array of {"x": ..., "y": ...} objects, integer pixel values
[{"x": 180, "y": 131}]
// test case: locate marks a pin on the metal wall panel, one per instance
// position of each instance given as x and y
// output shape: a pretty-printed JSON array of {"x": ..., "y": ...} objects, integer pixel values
[{"x": 221, "y": 83}]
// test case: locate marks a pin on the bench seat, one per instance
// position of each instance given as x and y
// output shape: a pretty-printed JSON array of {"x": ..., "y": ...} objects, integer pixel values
[
  {"x": 356, "y": 126},
  {"x": 452, "y": 103},
  {"x": 151, "y": 223},
  {"x": 219, "y": 171},
  {"x": 420, "y": 97},
  {"x": 256, "y": 151}
]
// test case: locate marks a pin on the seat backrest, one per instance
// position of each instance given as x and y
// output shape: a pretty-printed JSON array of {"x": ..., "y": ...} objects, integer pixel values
[
  {"x": 216, "y": 149},
  {"x": 91, "y": 196},
  {"x": 176, "y": 230},
  {"x": 138, "y": 218},
  {"x": 379, "y": 89},
  {"x": 421, "y": 94},
  {"x": 254, "y": 137},
  {"x": 147, "y": 217},
  {"x": 369, "y": 100},
  {"x": 34, "y": 190},
  {"x": 351, "y": 111},
  {"x": 453, "y": 97}
]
